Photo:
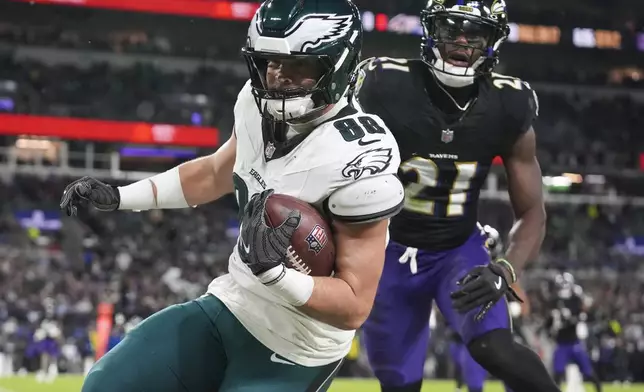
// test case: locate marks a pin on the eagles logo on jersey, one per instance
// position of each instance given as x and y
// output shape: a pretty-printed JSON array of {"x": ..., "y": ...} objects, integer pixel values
[{"x": 373, "y": 161}]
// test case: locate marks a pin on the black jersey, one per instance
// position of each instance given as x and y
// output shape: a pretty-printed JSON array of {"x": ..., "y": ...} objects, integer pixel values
[
  {"x": 446, "y": 154},
  {"x": 567, "y": 312}
]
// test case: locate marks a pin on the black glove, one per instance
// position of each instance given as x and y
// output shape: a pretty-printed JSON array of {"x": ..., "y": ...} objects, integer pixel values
[
  {"x": 482, "y": 286},
  {"x": 260, "y": 246},
  {"x": 102, "y": 196}
]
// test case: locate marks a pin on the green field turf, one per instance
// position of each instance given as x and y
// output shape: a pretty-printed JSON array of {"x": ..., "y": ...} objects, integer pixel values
[{"x": 73, "y": 384}]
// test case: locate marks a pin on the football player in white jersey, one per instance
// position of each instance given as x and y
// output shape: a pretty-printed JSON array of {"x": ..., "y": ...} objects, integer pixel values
[{"x": 264, "y": 327}]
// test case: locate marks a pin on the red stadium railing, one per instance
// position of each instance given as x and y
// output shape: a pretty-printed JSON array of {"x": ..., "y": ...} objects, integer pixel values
[
  {"x": 108, "y": 131},
  {"x": 227, "y": 10}
]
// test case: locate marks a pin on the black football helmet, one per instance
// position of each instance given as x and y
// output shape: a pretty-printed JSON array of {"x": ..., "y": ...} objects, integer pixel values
[
  {"x": 462, "y": 38},
  {"x": 565, "y": 285},
  {"x": 564, "y": 280}
]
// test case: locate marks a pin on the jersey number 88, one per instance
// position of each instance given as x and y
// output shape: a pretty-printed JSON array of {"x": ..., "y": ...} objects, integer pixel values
[{"x": 427, "y": 173}]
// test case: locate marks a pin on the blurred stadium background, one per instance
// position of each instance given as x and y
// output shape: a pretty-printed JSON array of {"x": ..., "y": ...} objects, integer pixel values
[{"x": 119, "y": 89}]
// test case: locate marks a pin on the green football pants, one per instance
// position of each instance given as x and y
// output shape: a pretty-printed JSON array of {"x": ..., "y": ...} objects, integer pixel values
[{"x": 199, "y": 346}]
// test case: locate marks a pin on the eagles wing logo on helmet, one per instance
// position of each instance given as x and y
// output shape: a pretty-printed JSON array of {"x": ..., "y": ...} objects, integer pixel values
[
  {"x": 373, "y": 161},
  {"x": 314, "y": 30}
]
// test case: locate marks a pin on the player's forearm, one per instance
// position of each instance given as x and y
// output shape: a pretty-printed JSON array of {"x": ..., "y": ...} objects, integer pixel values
[
  {"x": 346, "y": 299},
  {"x": 334, "y": 302},
  {"x": 190, "y": 184},
  {"x": 526, "y": 237},
  {"x": 201, "y": 183},
  {"x": 330, "y": 300},
  {"x": 525, "y": 305}
]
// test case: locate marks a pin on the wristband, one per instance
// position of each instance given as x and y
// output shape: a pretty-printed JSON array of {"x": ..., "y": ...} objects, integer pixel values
[
  {"x": 138, "y": 196},
  {"x": 292, "y": 286},
  {"x": 509, "y": 267}
]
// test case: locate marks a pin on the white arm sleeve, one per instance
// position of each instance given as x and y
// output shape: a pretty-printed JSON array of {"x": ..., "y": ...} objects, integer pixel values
[
  {"x": 368, "y": 200},
  {"x": 140, "y": 195}
]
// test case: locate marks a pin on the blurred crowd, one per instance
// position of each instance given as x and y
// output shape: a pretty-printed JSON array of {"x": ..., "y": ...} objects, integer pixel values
[
  {"x": 142, "y": 92},
  {"x": 578, "y": 127},
  {"x": 577, "y": 130},
  {"x": 56, "y": 270},
  {"x": 123, "y": 40},
  {"x": 582, "y": 130}
]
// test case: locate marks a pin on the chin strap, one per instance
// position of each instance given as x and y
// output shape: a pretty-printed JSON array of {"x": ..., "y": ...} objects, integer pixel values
[
  {"x": 289, "y": 108},
  {"x": 309, "y": 125},
  {"x": 453, "y": 80},
  {"x": 452, "y": 75}
]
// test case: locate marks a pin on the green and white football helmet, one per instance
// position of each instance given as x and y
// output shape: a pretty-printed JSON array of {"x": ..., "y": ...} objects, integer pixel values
[{"x": 327, "y": 32}]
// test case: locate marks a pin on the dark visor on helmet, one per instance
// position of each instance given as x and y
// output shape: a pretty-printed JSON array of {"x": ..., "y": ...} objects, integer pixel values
[{"x": 463, "y": 30}]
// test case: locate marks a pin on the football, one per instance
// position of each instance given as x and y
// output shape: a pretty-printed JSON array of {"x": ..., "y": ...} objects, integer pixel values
[{"x": 312, "y": 250}]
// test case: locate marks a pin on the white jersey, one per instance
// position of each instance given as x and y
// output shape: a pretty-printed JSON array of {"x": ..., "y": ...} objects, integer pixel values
[{"x": 328, "y": 159}]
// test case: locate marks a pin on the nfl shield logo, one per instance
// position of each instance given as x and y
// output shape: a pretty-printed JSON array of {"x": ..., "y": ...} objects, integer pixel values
[
  {"x": 317, "y": 239},
  {"x": 270, "y": 150},
  {"x": 447, "y": 136}
]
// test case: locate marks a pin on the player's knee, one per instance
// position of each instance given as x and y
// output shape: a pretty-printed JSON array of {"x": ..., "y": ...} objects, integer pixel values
[{"x": 493, "y": 350}]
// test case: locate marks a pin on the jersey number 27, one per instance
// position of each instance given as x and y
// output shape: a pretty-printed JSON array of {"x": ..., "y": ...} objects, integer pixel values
[{"x": 427, "y": 174}]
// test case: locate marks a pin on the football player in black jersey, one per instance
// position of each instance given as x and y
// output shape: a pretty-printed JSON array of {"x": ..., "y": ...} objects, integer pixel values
[
  {"x": 451, "y": 116},
  {"x": 569, "y": 310}
]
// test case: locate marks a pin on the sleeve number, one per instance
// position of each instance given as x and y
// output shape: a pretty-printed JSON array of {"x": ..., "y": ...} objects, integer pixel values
[
  {"x": 502, "y": 81},
  {"x": 427, "y": 173},
  {"x": 352, "y": 131},
  {"x": 241, "y": 192}
]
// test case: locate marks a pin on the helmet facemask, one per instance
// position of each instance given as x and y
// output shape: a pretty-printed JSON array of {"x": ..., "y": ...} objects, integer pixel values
[
  {"x": 290, "y": 87},
  {"x": 460, "y": 47}
]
